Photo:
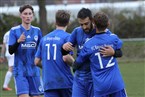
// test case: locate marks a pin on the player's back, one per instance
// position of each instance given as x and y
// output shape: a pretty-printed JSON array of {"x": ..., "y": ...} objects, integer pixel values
[
  {"x": 56, "y": 73},
  {"x": 79, "y": 38},
  {"x": 105, "y": 71}
]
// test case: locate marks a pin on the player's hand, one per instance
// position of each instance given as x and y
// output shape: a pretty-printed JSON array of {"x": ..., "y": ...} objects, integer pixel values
[
  {"x": 21, "y": 38},
  {"x": 37, "y": 61},
  {"x": 68, "y": 59},
  {"x": 68, "y": 46},
  {"x": 107, "y": 51}
]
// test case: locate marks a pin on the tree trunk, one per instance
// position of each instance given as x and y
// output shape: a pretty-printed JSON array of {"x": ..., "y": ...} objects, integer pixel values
[{"x": 43, "y": 16}]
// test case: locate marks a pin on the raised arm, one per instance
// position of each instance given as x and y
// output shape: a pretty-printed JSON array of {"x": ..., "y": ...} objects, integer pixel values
[{"x": 13, "y": 48}]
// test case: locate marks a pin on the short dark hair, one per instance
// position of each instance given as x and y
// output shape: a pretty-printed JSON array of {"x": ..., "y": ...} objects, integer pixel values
[
  {"x": 23, "y": 7},
  {"x": 101, "y": 20},
  {"x": 84, "y": 13},
  {"x": 62, "y": 18}
]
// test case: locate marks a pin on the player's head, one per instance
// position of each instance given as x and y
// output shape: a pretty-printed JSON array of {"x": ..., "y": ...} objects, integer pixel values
[
  {"x": 26, "y": 13},
  {"x": 85, "y": 19},
  {"x": 62, "y": 18},
  {"x": 23, "y": 7},
  {"x": 101, "y": 21}
]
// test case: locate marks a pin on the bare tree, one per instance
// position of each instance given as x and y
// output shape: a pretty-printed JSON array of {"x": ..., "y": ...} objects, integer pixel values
[{"x": 43, "y": 16}]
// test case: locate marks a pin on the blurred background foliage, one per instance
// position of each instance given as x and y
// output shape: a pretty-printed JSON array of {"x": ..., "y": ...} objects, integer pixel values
[{"x": 126, "y": 24}]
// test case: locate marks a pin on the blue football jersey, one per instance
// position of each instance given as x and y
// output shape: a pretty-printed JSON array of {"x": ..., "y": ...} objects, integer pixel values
[
  {"x": 56, "y": 73},
  {"x": 105, "y": 72},
  {"x": 78, "y": 38},
  {"x": 25, "y": 53}
]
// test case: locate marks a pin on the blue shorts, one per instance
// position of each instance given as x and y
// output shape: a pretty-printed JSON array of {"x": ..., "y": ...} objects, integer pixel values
[
  {"x": 28, "y": 85},
  {"x": 121, "y": 93},
  {"x": 82, "y": 88},
  {"x": 58, "y": 93}
]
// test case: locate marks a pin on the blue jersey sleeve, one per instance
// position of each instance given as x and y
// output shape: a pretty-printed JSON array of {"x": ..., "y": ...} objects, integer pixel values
[
  {"x": 12, "y": 37},
  {"x": 84, "y": 55},
  {"x": 117, "y": 42},
  {"x": 73, "y": 37}
]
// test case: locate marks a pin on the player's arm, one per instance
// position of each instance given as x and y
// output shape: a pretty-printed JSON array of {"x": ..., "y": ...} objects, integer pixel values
[
  {"x": 3, "y": 50},
  {"x": 37, "y": 62},
  {"x": 65, "y": 50},
  {"x": 13, "y": 48},
  {"x": 109, "y": 51},
  {"x": 68, "y": 59},
  {"x": 38, "y": 58},
  {"x": 71, "y": 41},
  {"x": 118, "y": 53},
  {"x": 83, "y": 56},
  {"x": 67, "y": 56},
  {"x": 68, "y": 47},
  {"x": 76, "y": 65},
  {"x": 2, "y": 57}
]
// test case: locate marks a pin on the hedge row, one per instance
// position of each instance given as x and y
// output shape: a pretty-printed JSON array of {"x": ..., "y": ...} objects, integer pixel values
[{"x": 126, "y": 24}]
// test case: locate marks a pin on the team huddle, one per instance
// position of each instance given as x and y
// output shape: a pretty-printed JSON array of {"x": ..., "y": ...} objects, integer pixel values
[{"x": 95, "y": 69}]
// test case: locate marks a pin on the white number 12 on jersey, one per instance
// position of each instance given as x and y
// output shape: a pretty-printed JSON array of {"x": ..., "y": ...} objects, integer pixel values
[{"x": 101, "y": 63}]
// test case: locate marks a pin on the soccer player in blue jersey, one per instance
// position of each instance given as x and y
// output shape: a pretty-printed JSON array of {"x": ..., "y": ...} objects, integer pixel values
[
  {"x": 82, "y": 85},
  {"x": 57, "y": 76},
  {"x": 107, "y": 79},
  {"x": 23, "y": 42}
]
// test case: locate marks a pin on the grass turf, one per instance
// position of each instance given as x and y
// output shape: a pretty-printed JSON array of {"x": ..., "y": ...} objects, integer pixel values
[{"x": 132, "y": 72}]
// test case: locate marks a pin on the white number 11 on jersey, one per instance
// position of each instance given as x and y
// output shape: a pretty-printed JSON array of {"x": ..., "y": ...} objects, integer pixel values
[{"x": 48, "y": 51}]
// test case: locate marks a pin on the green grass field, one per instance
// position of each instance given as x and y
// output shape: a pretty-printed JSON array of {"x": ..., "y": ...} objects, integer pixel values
[
  {"x": 132, "y": 72},
  {"x": 133, "y": 75}
]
